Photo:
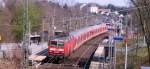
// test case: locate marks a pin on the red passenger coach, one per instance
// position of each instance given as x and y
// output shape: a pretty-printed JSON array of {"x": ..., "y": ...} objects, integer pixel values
[{"x": 64, "y": 46}]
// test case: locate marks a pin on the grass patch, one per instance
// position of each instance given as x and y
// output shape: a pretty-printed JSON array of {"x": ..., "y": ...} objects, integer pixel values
[
  {"x": 135, "y": 60},
  {"x": 141, "y": 52}
]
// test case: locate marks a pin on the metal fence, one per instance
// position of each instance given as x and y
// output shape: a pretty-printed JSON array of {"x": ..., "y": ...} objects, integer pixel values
[{"x": 10, "y": 50}]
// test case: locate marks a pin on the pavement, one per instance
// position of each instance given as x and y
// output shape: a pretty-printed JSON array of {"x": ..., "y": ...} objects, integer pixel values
[{"x": 35, "y": 48}]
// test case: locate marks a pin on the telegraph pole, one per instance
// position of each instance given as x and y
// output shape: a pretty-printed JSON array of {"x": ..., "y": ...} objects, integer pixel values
[
  {"x": 70, "y": 25},
  {"x": 53, "y": 22},
  {"x": 25, "y": 36},
  {"x": 126, "y": 47},
  {"x": 53, "y": 27},
  {"x": 43, "y": 22}
]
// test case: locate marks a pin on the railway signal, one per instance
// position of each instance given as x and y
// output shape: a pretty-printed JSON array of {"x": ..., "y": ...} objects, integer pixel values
[
  {"x": 116, "y": 38},
  {"x": 126, "y": 43}
]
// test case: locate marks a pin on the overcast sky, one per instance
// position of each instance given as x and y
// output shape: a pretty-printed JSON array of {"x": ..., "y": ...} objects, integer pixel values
[
  {"x": 106, "y": 2},
  {"x": 101, "y": 2},
  {"x": 2, "y": 4}
]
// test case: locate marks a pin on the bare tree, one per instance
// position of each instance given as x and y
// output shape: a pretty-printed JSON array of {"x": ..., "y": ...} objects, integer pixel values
[{"x": 142, "y": 14}]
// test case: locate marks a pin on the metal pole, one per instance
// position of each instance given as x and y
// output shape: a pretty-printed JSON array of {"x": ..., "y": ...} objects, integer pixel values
[
  {"x": 43, "y": 30},
  {"x": 25, "y": 36},
  {"x": 109, "y": 51},
  {"x": 70, "y": 25},
  {"x": 49, "y": 34},
  {"x": 126, "y": 56},
  {"x": 126, "y": 41},
  {"x": 115, "y": 55},
  {"x": 86, "y": 21},
  {"x": 53, "y": 30},
  {"x": 53, "y": 22},
  {"x": 76, "y": 24},
  {"x": 111, "y": 55}
]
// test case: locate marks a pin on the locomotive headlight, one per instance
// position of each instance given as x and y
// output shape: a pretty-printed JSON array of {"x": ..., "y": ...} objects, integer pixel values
[
  {"x": 60, "y": 49},
  {"x": 52, "y": 49}
]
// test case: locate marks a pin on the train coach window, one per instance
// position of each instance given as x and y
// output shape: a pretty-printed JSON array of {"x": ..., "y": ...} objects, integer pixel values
[{"x": 60, "y": 43}]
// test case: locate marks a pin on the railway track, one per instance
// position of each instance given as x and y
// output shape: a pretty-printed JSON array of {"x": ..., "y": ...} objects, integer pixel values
[{"x": 79, "y": 58}]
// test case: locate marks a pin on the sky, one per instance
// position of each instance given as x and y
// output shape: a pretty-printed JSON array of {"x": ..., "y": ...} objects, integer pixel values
[
  {"x": 101, "y": 2},
  {"x": 2, "y": 4},
  {"x": 106, "y": 2}
]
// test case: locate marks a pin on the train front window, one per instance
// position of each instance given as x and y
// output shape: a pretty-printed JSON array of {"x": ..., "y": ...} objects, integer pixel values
[
  {"x": 54, "y": 43},
  {"x": 60, "y": 43},
  {"x": 57, "y": 43}
]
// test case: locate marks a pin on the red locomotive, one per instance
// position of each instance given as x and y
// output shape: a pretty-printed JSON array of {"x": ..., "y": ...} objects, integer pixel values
[{"x": 64, "y": 46}]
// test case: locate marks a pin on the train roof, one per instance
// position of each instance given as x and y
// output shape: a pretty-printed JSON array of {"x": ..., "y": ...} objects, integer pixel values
[
  {"x": 80, "y": 31},
  {"x": 60, "y": 38},
  {"x": 75, "y": 33}
]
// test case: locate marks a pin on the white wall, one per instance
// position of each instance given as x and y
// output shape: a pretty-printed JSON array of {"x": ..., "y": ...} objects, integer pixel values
[{"x": 94, "y": 9}]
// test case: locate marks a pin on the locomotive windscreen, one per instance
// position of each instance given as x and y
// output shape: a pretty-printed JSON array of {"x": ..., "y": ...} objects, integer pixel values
[
  {"x": 54, "y": 43},
  {"x": 57, "y": 43},
  {"x": 60, "y": 43}
]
